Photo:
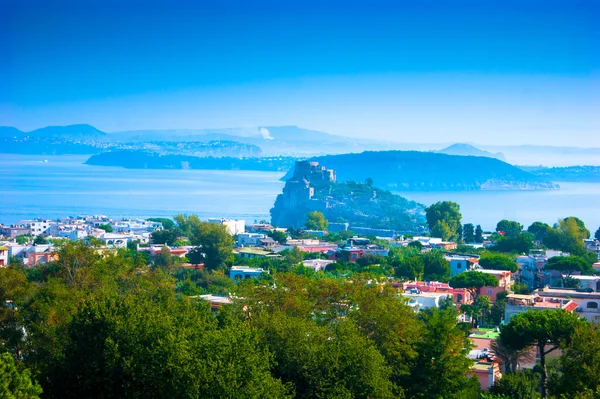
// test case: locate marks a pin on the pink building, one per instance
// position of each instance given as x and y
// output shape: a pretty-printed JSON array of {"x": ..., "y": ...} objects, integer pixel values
[
  {"x": 505, "y": 283},
  {"x": 460, "y": 295},
  {"x": 487, "y": 374}
]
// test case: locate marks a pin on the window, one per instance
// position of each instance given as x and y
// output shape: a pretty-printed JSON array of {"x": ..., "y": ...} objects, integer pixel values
[
  {"x": 459, "y": 265},
  {"x": 592, "y": 305},
  {"x": 489, "y": 291},
  {"x": 459, "y": 298}
]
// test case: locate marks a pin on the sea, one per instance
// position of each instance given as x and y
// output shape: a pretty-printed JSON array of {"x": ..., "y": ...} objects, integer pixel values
[{"x": 58, "y": 186}]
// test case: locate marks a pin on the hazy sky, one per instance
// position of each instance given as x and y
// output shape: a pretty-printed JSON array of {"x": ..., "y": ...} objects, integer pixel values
[{"x": 490, "y": 72}]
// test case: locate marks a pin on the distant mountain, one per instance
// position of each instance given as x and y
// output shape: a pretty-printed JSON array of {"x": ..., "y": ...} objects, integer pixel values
[
  {"x": 9, "y": 131},
  {"x": 70, "y": 132},
  {"x": 548, "y": 155},
  {"x": 464, "y": 149},
  {"x": 581, "y": 174},
  {"x": 427, "y": 171},
  {"x": 273, "y": 140}
]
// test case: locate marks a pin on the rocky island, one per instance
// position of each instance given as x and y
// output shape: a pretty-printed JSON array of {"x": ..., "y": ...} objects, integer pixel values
[{"x": 313, "y": 187}]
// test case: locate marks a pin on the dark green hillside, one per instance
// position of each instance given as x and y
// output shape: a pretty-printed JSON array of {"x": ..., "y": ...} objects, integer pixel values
[{"x": 426, "y": 171}]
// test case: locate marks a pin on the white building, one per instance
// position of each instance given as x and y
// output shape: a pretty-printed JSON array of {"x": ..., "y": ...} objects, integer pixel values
[
  {"x": 115, "y": 240},
  {"x": 233, "y": 226},
  {"x": 249, "y": 239},
  {"x": 3, "y": 255},
  {"x": 317, "y": 264},
  {"x": 423, "y": 300},
  {"x": 588, "y": 303},
  {"x": 588, "y": 283},
  {"x": 39, "y": 226},
  {"x": 245, "y": 272}
]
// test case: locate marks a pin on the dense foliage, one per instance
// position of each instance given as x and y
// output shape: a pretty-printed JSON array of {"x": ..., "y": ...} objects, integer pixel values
[{"x": 119, "y": 328}]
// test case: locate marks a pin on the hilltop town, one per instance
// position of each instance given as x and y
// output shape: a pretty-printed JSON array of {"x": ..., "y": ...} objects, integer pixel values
[{"x": 481, "y": 280}]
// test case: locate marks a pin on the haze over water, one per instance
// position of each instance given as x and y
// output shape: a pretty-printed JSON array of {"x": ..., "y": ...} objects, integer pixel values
[{"x": 64, "y": 186}]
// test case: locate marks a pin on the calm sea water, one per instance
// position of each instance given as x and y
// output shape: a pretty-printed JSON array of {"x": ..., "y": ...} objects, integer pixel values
[{"x": 64, "y": 186}]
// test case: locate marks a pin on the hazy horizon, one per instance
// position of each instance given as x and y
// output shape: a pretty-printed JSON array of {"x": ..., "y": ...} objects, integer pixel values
[{"x": 508, "y": 73}]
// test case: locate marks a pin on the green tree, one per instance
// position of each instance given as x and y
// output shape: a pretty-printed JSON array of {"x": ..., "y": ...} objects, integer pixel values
[
  {"x": 498, "y": 308},
  {"x": 23, "y": 239},
  {"x": 597, "y": 234},
  {"x": 435, "y": 266},
  {"x": 292, "y": 258},
  {"x": 411, "y": 268},
  {"x": 40, "y": 240},
  {"x": 469, "y": 233},
  {"x": 415, "y": 244},
  {"x": 15, "y": 383},
  {"x": 545, "y": 329},
  {"x": 512, "y": 358},
  {"x": 498, "y": 261},
  {"x": 442, "y": 230},
  {"x": 568, "y": 235},
  {"x": 167, "y": 223},
  {"x": 195, "y": 256},
  {"x": 336, "y": 362},
  {"x": 316, "y": 221},
  {"x": 440, "y": 368},
  {"x": 509, "y": 228},
  {"x": 392, "y": 326},
  {"x": 166, "y": 237},
  {"x": 521, "y": 243},
  {"x": 106, "y": 227},
  {"x": 215, "y": 240},
  {"x": 14, "y": 292},
  {"x": 478, "y": 234},
  {"x": 539, "y": 230},
  {"x": 580, "y": 362},
  {"x": 473, "y": 281},
  {"x": 520, "y": 385},
  {"x": 369, "y": 259},
  {"x": 444, "y": 220},
  {"x": 278, "y": 236},
  {"x": 118, "y": 346},
  {"x": 164, "y": 258},
  {"x": 567, "y": 265}
]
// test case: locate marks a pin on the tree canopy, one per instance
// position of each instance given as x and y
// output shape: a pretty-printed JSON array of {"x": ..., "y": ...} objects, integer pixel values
[
  {"x": 444, "y": 220},
  {"x": 539, "y": 230},
  {"x": 541, "y": 328},
  {"x": 498, "y": 261},
  {"x": 568, "y": 265},
  {"x": 213, "y": 238},
  {"x": 473, "y": 281},
  {"x": 316, "y": 221},
  {"x": 14, "y": 383},
  {"x": 509, "y": 228},
  {"x": 469, "y": 233}
]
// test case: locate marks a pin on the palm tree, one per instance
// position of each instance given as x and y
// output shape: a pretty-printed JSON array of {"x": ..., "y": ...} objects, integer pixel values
[{"x": 512, "y": 359}]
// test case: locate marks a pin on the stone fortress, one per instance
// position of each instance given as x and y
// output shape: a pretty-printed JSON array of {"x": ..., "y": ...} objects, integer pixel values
[{"x": 304, "y": 192}]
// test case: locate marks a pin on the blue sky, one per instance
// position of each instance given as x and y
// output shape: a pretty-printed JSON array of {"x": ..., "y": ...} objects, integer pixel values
[{"x": 490, "y": 72}]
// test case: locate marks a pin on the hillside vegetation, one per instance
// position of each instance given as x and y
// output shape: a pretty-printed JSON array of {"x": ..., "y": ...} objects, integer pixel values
[{"x": 426, "y": 171}]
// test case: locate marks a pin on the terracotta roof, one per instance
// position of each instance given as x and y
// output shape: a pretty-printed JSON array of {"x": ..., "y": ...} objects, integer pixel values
[{"x": 571, "y": 307}]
